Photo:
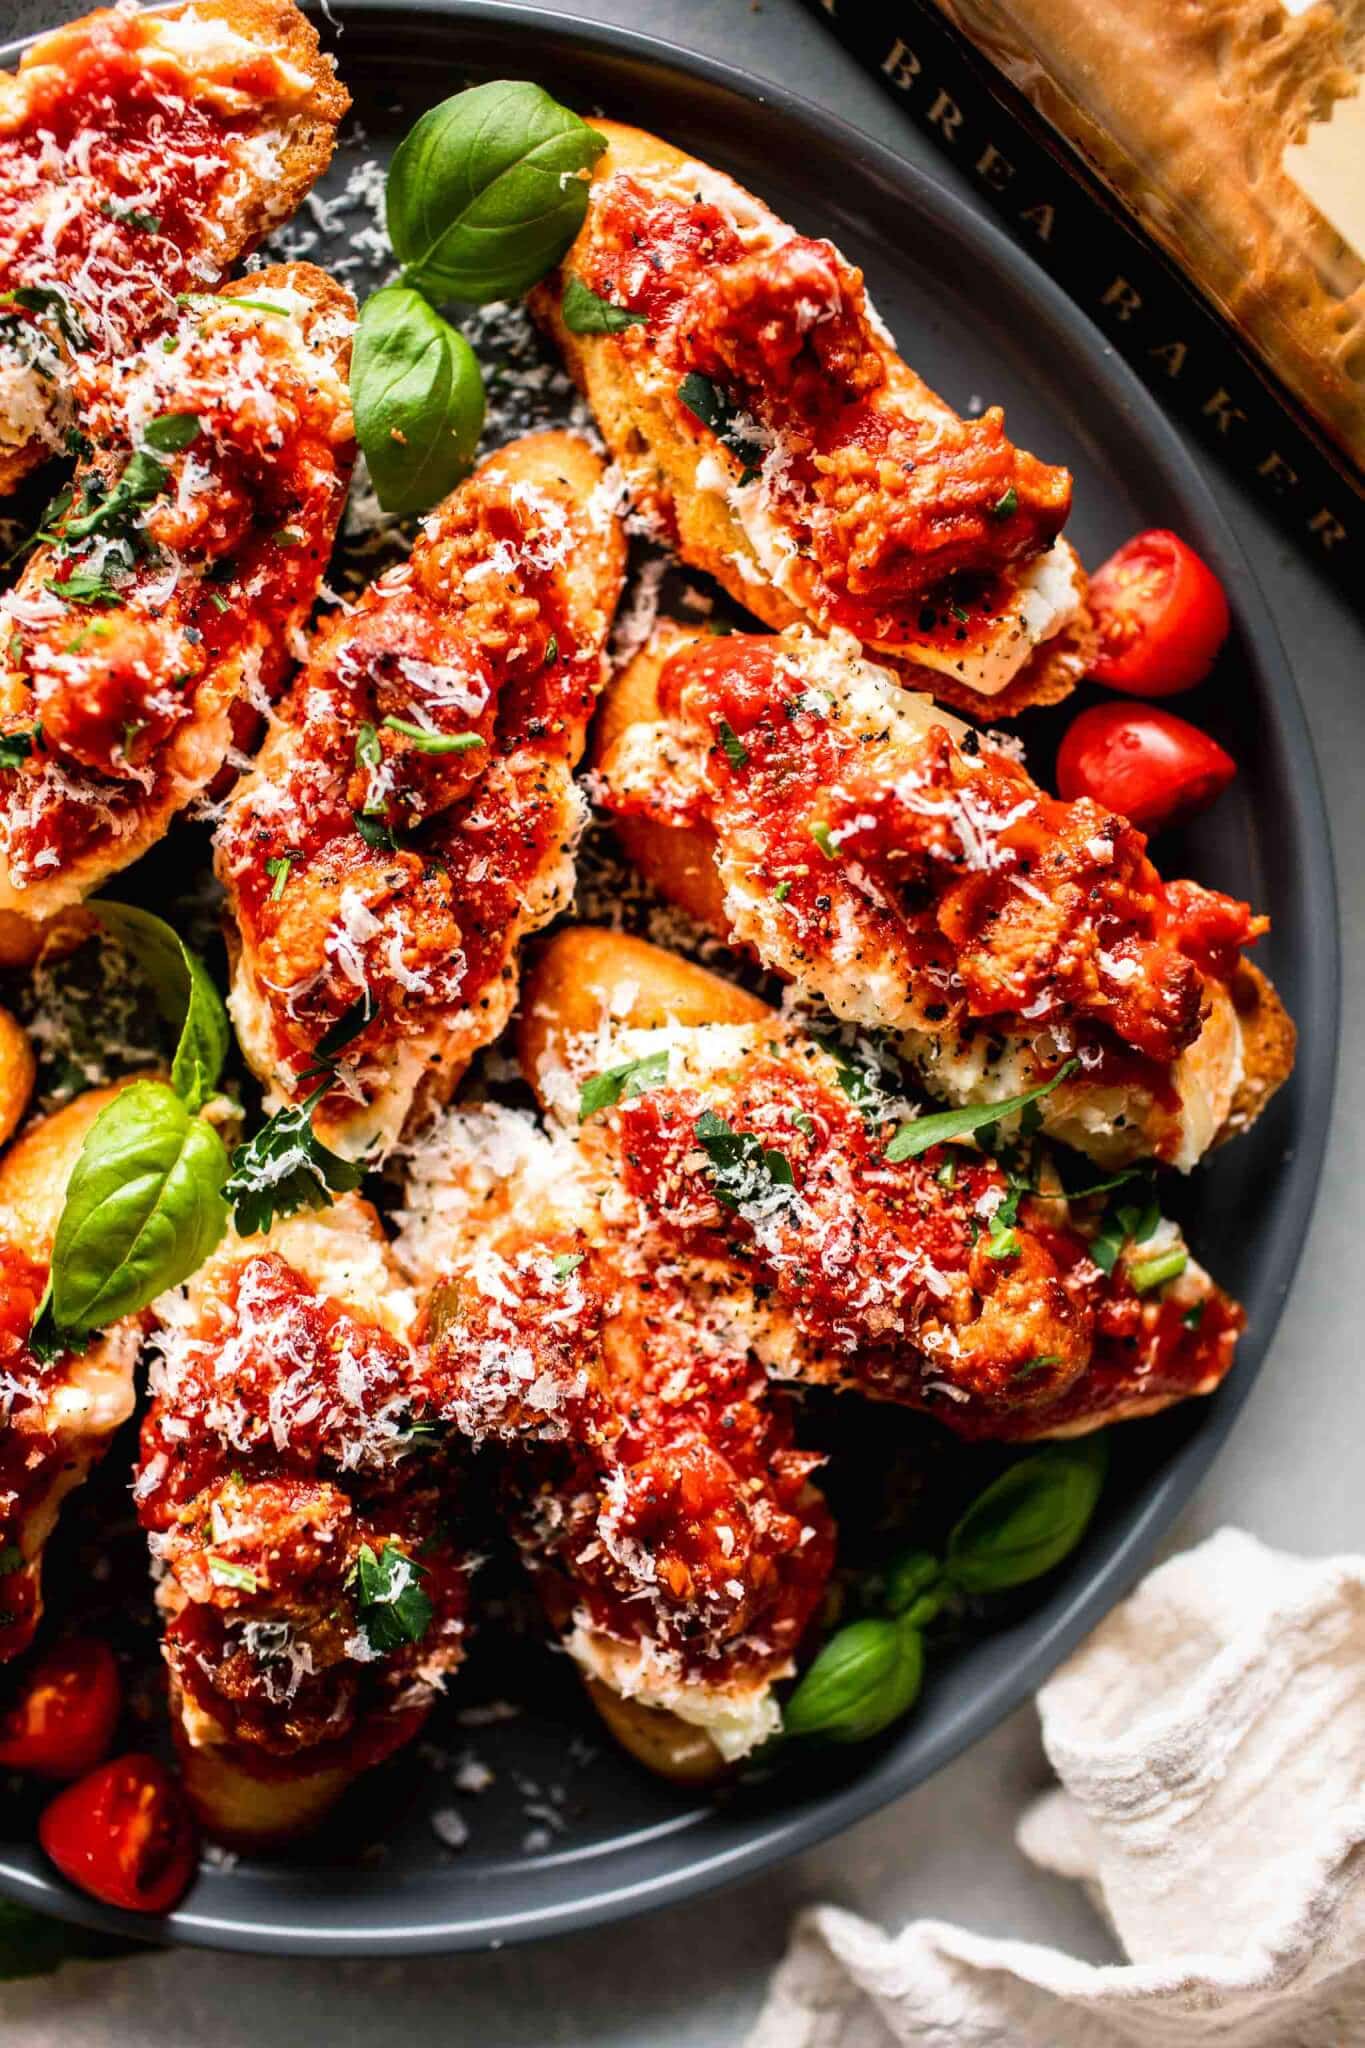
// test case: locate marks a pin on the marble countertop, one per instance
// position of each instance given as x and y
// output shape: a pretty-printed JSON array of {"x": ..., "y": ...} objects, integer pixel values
[{"x": 692, "y": 1977}]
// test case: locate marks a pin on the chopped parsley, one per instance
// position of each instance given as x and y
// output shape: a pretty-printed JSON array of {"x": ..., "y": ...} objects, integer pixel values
[
  {"x": 583, "y": 312},
  {"x": 131, "y": 217},
  {"x": 782, "y": 892},
  {"x": 15, "y": 747},
  {"x": 741, "y": 1168},
  {"x": 821, "y": 835},
  {"x": 286, "y": 1167},
  {"x": 565, "y": 1263},
  {"x": 1003, "y": 1242},
  {"x": 736, "y": 753},
  {"x": 391, "y": 1607},
  {"x": 1042, "y": 1362},
  {"x": 1194, "y": 1315},
  {"x": 375, "y": 832},
  {"x": 431, "y": 742},
  {"x": 619, "y": 1084},
  {"x": 708, "y": 403},
  {"x": 1006, "y": 504},
  {"x": 1125, "y": 1223},
  {"x": 921, "y": 1132}
]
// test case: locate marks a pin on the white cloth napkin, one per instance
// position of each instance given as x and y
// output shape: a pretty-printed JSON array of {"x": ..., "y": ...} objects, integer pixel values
[{"x": 1210, "y": 1742}]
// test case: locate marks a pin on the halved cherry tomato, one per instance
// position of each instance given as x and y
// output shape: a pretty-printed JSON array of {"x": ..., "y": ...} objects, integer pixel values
[
  {"x": 123, "y": 1834},
  {"x": 1161, "y": 616},
  {"x": 1146, "y": 764},
  {"x": 62, "y": 1720}
]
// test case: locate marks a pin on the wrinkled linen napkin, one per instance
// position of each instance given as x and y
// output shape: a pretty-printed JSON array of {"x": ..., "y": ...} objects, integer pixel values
[{"x": 1210, "y": 1742}]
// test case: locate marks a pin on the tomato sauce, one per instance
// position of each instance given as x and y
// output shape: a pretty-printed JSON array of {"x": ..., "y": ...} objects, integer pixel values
[
  {"x": 279, "y": 1445},
  {"x": 885, "y": 495},
  {"x": 997, "y": 902}
]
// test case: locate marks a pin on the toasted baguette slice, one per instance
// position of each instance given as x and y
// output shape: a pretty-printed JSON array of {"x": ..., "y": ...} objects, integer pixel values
[
  {"x": 413, "y": 876},
  {"x": 844, "y": 492},
  {"x": 597, "y": 998},
  {"x": 125, "y": 679},
  {"x": 141, "y": 155},
  {"x": 274, "y": 1506},
  {"x": 702, "y": 837},
  {"x": 61, "y": 1413}
]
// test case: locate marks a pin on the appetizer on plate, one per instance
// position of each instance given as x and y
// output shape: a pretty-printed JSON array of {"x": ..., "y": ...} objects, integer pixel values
[
  {"x": 313, "y": 1597},
  {"x": 60, "y": 1409},
  {"x": 719, "y": 1203},
  {"x": 159, "y": 607},
  {"x": 906, "y": 871},
  {"x": 762, "y": 419},
  {"x": 413, "y": 812},
  {"x": 141, "y": 154}
]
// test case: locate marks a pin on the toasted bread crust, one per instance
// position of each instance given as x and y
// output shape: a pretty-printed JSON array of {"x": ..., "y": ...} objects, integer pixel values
[
  {"x": 659, "y": 461},
  {"x": 1268, "y": 1043},
  {"x": 264, "y": 201}
]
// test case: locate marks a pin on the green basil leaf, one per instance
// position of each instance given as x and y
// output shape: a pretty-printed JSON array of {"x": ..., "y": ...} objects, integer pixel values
[
  {"x": 144, "y": 1207},
  {"x": 584, "y": 313},
  {"x": 435, "y": 742},
  {"x": 1029, "y": 1519},
  {"x": 864, "y": 1678},
  {"x": 171, "y": 431},
  {"x": 618, "y": 1084},
  {"x": 911, "y": 1574},
  {"x": 418, "y": 399},
  {"x": 47, "y": 298},
  {"x": 923, "y": 1131},
  {"x": 487, "y": 191},
  {"x": 185, "y": 996}
]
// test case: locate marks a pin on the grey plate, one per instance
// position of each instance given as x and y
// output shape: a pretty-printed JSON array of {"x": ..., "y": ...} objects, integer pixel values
[{"x": 975, "y": 317}]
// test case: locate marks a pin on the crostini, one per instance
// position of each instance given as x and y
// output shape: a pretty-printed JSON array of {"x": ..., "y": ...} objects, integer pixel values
[
  {"x": 313, "y": 1597},
  {"x": 710, "y": 1211},
  {"x": 59, "y": 1411},
  {"x": 763, "y": 421},
  {"x": 413, "y": 811},
  {"x": 141, "y": 154},
  {"x": 170, "y": 582},
  {"x": 904, "y": 870}
]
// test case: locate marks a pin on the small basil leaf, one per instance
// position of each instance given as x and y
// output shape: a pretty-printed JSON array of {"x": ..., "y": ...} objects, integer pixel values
[
  {"x": 418, "y": 400},
  {"x": 864, "y": 1678},
  {"x": 185, "y": 996},
  {"x": 619, "y": 1084},
  {"x": 584, "y": 313},
  {"x": 923, "y": 1131},
  {"x": 487, "y": 191},
  {"x": 171, "y": 431},
  {"x": 1029, "y": 1519},
  {"x": 910, "y": 1575},
  {"x": 144, "y": 1207}
]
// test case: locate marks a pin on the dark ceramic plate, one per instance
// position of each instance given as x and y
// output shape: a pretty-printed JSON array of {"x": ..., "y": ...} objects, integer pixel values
[{"x": 564, "y": 1838}]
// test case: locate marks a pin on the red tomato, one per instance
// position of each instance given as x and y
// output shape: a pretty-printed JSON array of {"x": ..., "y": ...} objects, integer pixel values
[
  {"x": 1147, "y": 764},
  {"x": 123, "y": 1834},
  {"x": 62, "y": 1720},
  {"x": 1161, "y": 615}
]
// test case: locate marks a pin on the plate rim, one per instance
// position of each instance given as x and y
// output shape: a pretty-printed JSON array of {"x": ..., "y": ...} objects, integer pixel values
[{"x": 1076, "y": 1608}]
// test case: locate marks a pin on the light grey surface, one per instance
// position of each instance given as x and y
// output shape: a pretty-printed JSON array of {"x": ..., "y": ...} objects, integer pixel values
[{"x": 693, "y": 1977}]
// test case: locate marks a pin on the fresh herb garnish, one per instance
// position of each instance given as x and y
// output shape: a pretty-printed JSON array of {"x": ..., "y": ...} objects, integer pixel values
[
  {"x": 285, "y": 1168},
  {"x": 15, "y": 747},
  {"x": 223, "y": 1572},
  {"x": 1125, "y": 1223},
  {"x": 375, "y": 832},
  {"x": 85, "y": 586},
  {"x": 736, "y": 753},
  {"x": 44, "y": 298},
  {"x": 391, "y": 1607},
  {"x": 171, "y": 432},
  {"x": 1006, "y": 504},
  {"x": 278, "y": 871},
  {"x": 820, "y": 833},
  {"x": 619, "y": 1084},
  {"x": 131, "y": 217},
  {"x": 741, "y": 1168},
  {"x": 921, "y": 1132},
  {"x": 1003, "y": 1242},
  {"x": 708, "y": 403},
  {"x": 434, "y": 742},
  {"x": 583, "y": 312},
  {"x": 1194, "y": 1315},
  {"x": 565, "y": 1263},
  {"x": 1147, "y": 1274}
]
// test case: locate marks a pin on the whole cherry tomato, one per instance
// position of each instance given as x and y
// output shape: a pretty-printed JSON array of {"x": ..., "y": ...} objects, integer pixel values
[
  {"x": 1146, "y": 764},
  {"x": 1161, "y": 616},
  {"x": 62, "y": 1719},
  {"x": 123, "y": 1834}
]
